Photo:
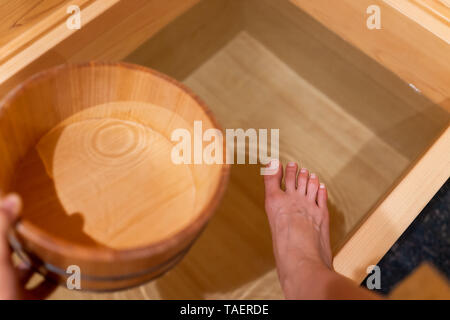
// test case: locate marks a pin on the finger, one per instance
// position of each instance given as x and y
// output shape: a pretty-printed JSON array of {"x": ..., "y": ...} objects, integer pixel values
[
  {"x": 9, "y": 210},
  {"x": 24, "y": 273},
  {"x": 10, "y": 206}
]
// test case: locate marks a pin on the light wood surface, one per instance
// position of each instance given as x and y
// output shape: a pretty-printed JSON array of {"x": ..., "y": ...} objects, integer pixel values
[
  {"x": 276, "y": 97},
  {"x": 25, "y": 21},
  {"x": 126, "y": 198},
  {"x": 404, "y": 46},
  {"x": 408, "y": 195},
  {"x": 433, "y": 15},
  {"x": 333, "y": 115},
  {"x": 373, "y": 238},
  {"x": 266, "y": 64},
  {"x": 111, "y": 29},
  {"x": 89, "y": 148},
  {"x": 48, "y": 29}
]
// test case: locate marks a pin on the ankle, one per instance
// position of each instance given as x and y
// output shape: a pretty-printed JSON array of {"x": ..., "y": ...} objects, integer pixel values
[{"x": 307, "y": 282}]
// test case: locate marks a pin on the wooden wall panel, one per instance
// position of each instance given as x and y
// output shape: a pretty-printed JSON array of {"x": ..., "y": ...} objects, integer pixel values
[{"x": 403, "y": 46}]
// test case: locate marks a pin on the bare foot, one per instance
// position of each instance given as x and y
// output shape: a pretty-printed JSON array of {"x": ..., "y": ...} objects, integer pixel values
[{"x": 299, "y": 221}]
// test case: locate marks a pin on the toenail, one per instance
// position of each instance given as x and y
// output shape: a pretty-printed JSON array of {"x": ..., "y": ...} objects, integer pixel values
[
  {"x": 291, "y": 164},
  {"x": 303, "y": 170},
  {"x": 274, "y": 163},
  {"x": 322, "y": 186},
  {"x": 313, "y": 176}
]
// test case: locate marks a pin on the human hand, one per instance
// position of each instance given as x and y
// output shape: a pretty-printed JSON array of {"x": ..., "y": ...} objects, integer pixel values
[{"x": 14, "y": 279}]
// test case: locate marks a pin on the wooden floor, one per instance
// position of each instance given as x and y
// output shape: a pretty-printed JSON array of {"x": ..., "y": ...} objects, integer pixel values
[
  {"x": 247, "y": 86},
  {"x": 263, "y": 92}
]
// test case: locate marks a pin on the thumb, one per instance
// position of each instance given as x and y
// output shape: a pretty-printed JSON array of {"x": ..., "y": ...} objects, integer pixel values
[{"x": 10, "y": 207}]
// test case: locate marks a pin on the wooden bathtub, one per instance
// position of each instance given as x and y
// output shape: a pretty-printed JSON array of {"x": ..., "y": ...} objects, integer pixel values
[{"x": 367, "y": 110}]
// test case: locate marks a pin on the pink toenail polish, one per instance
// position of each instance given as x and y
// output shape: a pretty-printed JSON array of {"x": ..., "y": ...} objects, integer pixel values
[
  {"x": 322, "y": 186},
  {"x": 291, "y": 164},
  {"x": 313, "y": 176},
  {"x": 303, "y": 170}
]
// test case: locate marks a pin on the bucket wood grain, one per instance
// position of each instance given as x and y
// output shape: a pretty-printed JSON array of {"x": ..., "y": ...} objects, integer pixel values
[{"x": 89, "y": 147}]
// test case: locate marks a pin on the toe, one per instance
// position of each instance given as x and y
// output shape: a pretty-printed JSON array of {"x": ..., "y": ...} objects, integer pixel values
[
  {"x": 322, "y": 196},
  {"x": 302, "y": 181},
  {"x": 312, "y": 187},
  {"x": 272, "y": 182},
  {"x": 291, "y": 176}
]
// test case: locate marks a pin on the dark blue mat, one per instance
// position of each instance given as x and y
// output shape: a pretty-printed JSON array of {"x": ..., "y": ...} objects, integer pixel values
[{"x": 426, "y": 239}]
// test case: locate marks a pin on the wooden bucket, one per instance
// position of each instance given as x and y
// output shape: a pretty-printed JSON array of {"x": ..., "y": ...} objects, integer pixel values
[{"x": 89, "y": 148}]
